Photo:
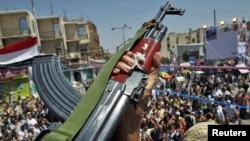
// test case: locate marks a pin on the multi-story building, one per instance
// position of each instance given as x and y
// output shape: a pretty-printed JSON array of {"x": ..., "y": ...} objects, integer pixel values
[
  {"x": 77, "y": 36},
  {"x": 76, "y": 40},
  {"x": 82, "y": 40},
  {"x": 97, "y": 51},
  {"x": 52, "y": 35},
  {"x": 15, "y": 26},
  {"x": 173, "y": 40},
  {"x": 73, "y": 40}
]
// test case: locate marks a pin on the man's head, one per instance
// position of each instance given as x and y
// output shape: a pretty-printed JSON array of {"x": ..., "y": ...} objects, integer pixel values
[
  {"x": 209, "y": 116},
  {"x": 29, "y": 115}
]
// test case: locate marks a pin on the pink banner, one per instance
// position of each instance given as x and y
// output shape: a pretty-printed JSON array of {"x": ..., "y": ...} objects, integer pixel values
[{"x": 9, "y": 73}]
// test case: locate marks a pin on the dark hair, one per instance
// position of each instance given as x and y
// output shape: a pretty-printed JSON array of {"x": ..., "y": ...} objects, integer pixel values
[{"x": 209, "y": 115}]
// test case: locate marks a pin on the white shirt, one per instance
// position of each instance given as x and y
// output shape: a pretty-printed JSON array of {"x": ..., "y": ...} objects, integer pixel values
[
  {"x": 31, "y": 122},
  {"x": 220, "y": 113},
  {"x": 218, "y": 92},
  {"x": 37, "y": 131},
  {"x": 23, "y": 134}
]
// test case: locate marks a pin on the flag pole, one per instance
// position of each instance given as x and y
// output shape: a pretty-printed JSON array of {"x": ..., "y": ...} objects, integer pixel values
[
  {"x": 39, "y": 48},
  {"x": 36, "y": 26}
]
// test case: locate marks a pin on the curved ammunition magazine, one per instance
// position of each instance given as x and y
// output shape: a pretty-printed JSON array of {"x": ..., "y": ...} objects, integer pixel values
[{"x": 58, "y": 95}]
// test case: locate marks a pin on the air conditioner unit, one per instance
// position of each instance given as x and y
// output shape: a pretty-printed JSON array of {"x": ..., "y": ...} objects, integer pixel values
[{"x": 73, "y": 55}]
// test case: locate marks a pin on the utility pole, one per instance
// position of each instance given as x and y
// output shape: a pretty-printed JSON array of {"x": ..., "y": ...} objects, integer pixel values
[
  {"x": 36, "y": 25},
  {"x": 214, "y": 18},
  {"x": 123, "y": 34}
]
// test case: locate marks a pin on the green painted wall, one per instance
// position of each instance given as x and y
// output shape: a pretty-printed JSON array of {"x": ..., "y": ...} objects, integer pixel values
[{"x": 18, "y": 85}]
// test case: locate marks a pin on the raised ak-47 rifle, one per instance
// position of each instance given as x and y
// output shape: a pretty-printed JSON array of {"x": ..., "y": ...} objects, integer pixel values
[{"x": 122, "y": 89}]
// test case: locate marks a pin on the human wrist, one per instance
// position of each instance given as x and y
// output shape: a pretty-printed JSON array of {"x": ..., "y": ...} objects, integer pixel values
[{"x": 146, "y": 93}]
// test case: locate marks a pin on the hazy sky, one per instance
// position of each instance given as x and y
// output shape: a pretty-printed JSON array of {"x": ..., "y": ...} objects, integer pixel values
[{"x": 106, "y": 14}]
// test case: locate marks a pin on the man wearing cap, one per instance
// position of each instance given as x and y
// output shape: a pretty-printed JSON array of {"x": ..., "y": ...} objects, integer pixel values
[
  {"x": 30, "y": 120},
  {"x": 218, "y": 94},
  {"x": 230, "y": 110}
]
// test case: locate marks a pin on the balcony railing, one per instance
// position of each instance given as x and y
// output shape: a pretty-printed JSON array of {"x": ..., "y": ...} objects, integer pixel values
[
  {"x": 14, "y": 32},
  {"x": 75, "y": 37},
  {"x": 50, "y": 35}
]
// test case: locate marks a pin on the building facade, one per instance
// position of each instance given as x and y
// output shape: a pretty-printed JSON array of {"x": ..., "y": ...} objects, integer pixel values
[
  {"x": 73, "y": 40},
  {"x": 172, "y": 42},
  {"x": 15, "y": 26},
  {"x": 51, "y": 35}
]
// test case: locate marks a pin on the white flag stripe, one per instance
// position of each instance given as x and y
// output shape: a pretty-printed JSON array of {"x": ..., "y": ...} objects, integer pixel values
[{"x": 19, "y": 56}]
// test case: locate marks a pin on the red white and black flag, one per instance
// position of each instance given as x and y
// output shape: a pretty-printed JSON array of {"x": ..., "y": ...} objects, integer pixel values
[{"x": 19, "y": 51}]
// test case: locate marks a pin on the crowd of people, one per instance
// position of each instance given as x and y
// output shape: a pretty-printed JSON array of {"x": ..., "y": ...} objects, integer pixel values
[
  {"x": 176, "y": 105},
  {"x": 24, "y": 124}
]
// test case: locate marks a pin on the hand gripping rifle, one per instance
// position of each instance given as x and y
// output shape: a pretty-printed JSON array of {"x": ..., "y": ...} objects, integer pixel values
[{"x": 122, "y": 89}]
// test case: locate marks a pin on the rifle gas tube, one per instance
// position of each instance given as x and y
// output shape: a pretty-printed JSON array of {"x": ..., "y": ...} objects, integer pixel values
[{"x": 124, "y": 89}]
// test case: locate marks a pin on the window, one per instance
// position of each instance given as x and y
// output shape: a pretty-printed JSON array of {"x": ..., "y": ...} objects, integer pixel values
[
  {"x": 82, "y": 33},
  {"x": 70, "y": 49},
  {"x": 168, "y": 47},
  {"x": 56, "y": 27},
  {"x": 83, "y": 50},
  {"x": 193, "y": 40},
  {"x": 73, "y": 49},
  {"x": 58, "y": 49},
  {"x": 172, "y": 51},
  {"x": 23, "y": 25}
]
